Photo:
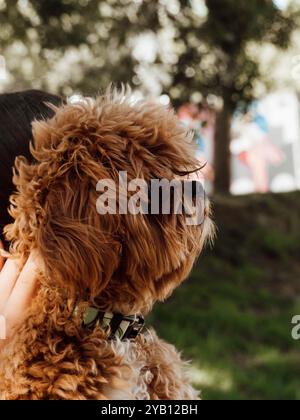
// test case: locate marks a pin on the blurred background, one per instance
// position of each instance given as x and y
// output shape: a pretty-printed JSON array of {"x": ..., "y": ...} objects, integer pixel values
[{"x": 231, "y": 70}]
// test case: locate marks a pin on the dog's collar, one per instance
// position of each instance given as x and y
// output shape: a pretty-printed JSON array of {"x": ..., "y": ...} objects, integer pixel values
[{"x": 120, "y": 327}]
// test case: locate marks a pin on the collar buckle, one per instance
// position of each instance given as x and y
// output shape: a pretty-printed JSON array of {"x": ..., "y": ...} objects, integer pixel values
[{"x": 120, "y": 326}]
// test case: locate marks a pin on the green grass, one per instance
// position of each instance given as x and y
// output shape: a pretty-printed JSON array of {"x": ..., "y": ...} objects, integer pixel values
[{"x": 232, "y": 318}]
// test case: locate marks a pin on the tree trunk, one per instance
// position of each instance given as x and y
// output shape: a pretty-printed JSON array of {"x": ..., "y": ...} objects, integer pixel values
[{"x": 222, "y": 150}]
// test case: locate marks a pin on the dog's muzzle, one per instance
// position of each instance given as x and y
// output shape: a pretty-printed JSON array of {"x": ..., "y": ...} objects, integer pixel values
[{"x": 119, "y": 326}]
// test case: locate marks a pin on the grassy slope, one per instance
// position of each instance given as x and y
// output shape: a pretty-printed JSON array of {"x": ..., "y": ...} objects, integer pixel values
[{"x": 233, "y": 317}]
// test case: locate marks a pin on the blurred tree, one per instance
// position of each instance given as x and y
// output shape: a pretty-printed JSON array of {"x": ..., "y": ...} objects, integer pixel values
[
  {"x": 66, "y": 45},
  {"x": 199, "y": 50},
  {"x": 216, "y": 59}
]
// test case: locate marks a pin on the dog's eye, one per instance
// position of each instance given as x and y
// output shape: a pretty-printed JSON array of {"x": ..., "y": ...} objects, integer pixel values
[{"x": 185, "y": 192}]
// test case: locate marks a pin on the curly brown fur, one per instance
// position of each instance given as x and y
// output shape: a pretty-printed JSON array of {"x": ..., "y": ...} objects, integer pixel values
[{"x": 121, "y": 263}]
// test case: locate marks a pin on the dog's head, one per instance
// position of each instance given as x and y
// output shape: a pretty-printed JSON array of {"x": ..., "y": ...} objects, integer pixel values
[{"x": 124, "y": 262}]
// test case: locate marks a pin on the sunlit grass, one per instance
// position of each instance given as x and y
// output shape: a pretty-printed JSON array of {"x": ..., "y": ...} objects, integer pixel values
[
  {"x": 233, "y": 317},
  {"x": 213, "y": 378}
]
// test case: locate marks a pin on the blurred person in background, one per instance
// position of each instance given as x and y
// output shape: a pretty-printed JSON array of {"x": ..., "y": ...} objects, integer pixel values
[
  {"x": 252, "y": 143},
  {"x": 202, "y": 121}
]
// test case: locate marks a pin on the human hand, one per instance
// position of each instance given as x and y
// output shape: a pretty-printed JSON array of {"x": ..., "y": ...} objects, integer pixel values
[{"x": 17, "y": 288}]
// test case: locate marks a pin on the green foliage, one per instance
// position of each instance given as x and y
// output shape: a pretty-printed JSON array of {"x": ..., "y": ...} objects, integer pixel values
[
  {"x": 233, "y": 316},
  {"x": 40, "y": 34},
  {"x": 216, "y": 47},
  {"x": 209, "y": 52}
]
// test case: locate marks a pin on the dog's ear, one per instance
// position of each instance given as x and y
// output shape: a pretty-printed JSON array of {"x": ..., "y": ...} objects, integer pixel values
[
  {"x": 55, "y": 211},
  {"x": 59, "y": 192},
  {"x": 79, "y": 256}
]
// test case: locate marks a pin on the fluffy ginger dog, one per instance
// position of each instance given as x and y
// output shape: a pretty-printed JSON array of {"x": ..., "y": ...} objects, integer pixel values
[{"x": 117, "y": 263}]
